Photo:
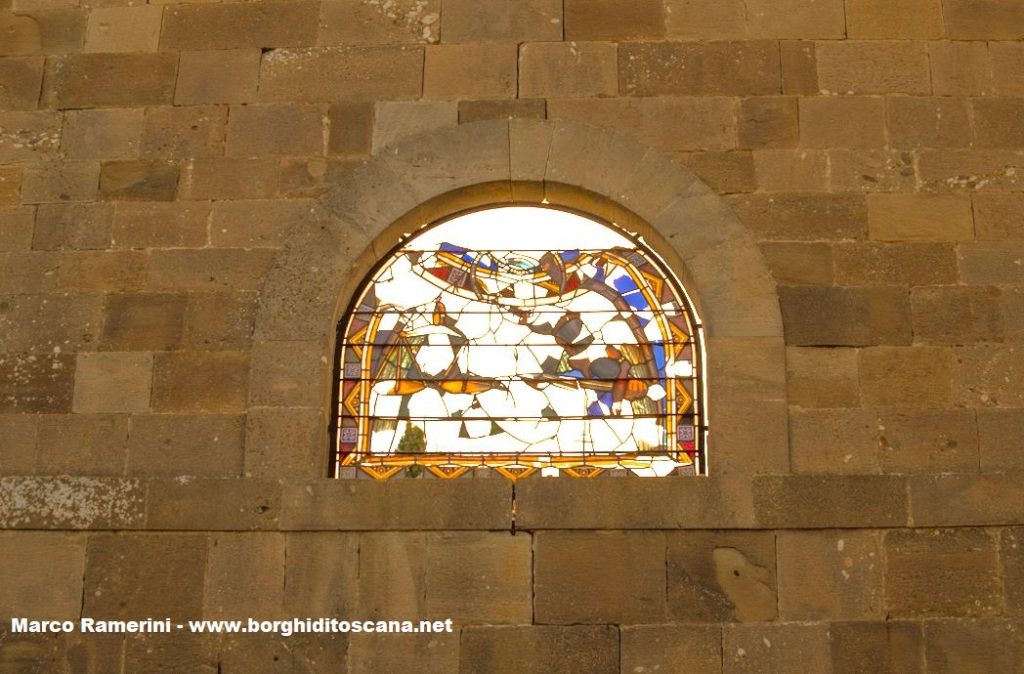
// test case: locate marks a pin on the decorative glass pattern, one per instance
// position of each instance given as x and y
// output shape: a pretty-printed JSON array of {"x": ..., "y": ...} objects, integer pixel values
[{"x": 520, "y": 338}]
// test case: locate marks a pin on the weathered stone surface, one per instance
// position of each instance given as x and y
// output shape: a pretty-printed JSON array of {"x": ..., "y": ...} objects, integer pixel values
[
  {"x": 10, "y": 187},
  {"x": 392, "y": 574},
  {"x": 236, "y": 26},
  {"x": 830, "y": 501},
  {"x": 268, "y": 130},
  {"x": 900, "y": 19},
  {"x": 123, "y": 29},
  {"x": 705, "y": 19},
  {"x": 791, "y": 170},
  {"x": 208, "y": 270},
  {"x": 368, "y": 505},
  {"x": 828, "y": 575},
  {"x": 952, "y": 170},
  {"x": 1007, "y": 62},
  {"x": 206, "y": 445},
  {"x": 822, "y": 377},
  {"x": 927, "y": 441},
  {"x": 967, "y": 500},
  {"x": 995, "y": 263},
  {"x": 655, "y": 648},
  {"x": 960, "y": 68},
  {"x": 768, "y": 122},
  {"x": 799, "y": 67},
  {"x": 286, "y": 442},
  {"x": 833, "y": 441},
  {"x": 208, "y": 504},
  {"x": 988, "y": 376},
  {"x": 48, "y": 324},
  {"x": 71, "y": 503},
  {"x": 351, "y": 127},
  {"x": 59, "y": 182},
  {"x": 1011, "y": 552},
  {"x": 501, "y": 20},
  {"x": 220, "y": 76},
  {"x": 357, "y": 22},
  {"x": 141, "y": 180},
  {"x": 984, "y": 19},
  {"x": 101, "y": 271},
  {"x": 871, "y": 170},
  {"x": 19, "y": 433},
  {"x": 341, "y": 74},
  {"x": 98, "y": 80},
  {"x": 185, "y": 132},
  {"x": 22, "y": 79},
  {"x": 889, "y": 647},
  {"x": 806, "y": 19},
  {"x": 853, "y": 316},
  {"x": 483, "y": 577},
  {"x": 47, "y": 29},
  {"x": 287, "y": 374},
  {"x": 782, "y": 647},
  {"x": 434, "y": 653},
  {"x": 520, "y": 108},
  {"x": 83, "y": 444},
  {"x": 915, "y": 264},
  {"x": 135, "y": 576},
  {"x": 200, "y": 381},
  {"x": 928, "y": 122},
  {"x": 799, "y": 263},
  {"x": 567, "y": 69},
  {"x": 997, "y": 122},
  {"x": 873, "y": 67},
  {"x": 636, "y": 558},
  {"x": 43, "y": 575},
  {"x": 906, "y": 377},
  {"x": 102, "y": 134},
  {"x": 321, "y": 573},
  {"x": 258, "y": 223},
  {"x": 842, "y": 121},
  {"x": 686, "y": 68},
  {"x": 614, "y": 20},
  {"x": 159, "y": 224},
  {"x": 985, "y": 645},
  {"x": 1000, "y": 437},
  {"x": 113, "y": 382},
  {"x": 906, "y": 217},
  {"x": 230, "y": 178},
  {"x": 228, "y": 594},
  {"x": 73, "y": 226},
  {"x": 998, "y": 215},
  {"x": 956, "y": 314},
  {"x": 716, "y": 576},
  {"x": 178, "y": 651},
  {"x": 484, "y": 70},
  {"x": 724, "y": 172},
  {"x": 943, "y": 572},
  {"x": 541, "y": 648},
  {"x": 803, "y": 216},
  {"x": 398, "y": 121},
  {"x": 16, "y": 225}
]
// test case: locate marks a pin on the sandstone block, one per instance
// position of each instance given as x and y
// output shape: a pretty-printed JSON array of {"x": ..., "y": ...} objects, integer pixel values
[
  {"x": 184, "y": 132},
  {"x": 830, "y": 500},
  {"x": 575, "y": 69},
  {"x": 321, "y": 572},
  {"x": 43, "y": 577},
  {"x": 144, "y": 575},
  {"x": 802, "y": 19},
  {"x": 258, "y": 223},
  {"x": 724, "y": 172},
  {"x": 230, "y": 178},
  {"x": 348, "y": 74},
  {"x": 10, "y": 185},
  {"x": 873, "y": 67},
  {"x": 228, "y": 594},
  {"x": 200, "y": 381},
  {"x": 928, "y": 122},
  {"x": 956, "y": 315},
  {"x": 141, "y": 322},
  {"x": 351, "y": 127},
  {"x": 102, "y": 134},
  {"x": 783, "y": 647},
  {"x": 123, "y": 29},
  {"x": 204, "y": 445},
  {"x": 178, "y": 652},
  {"x": 28, "y": 272},
  {"x": 889, "y": 646},
  {"x": 540, "y": 648},
  {"x": 687, "y": 68},
  {"x": 1000, "y": 433},
  {"x": 960, "y": 68},
  {"x": 198, "y": 504},
  {"x": 705, "y": 19},
  {"x": 19, "y": 432},
  {"x": 396, "y": 121},
  {"x": 795, "y": 263},
  {"x": 768, "y": 122},
  {"x": 73, "y": 226},
  {"x": 822, "y": 377},
  {"x": 971, "y": 500},
  {"x": 855, "y": 316},
  {"x": 239, "y": 25},
  {"x": 1012, "y": 304},
  {"x": 101, "y": 271},
  {"x": 80, "y": 444},
  {"x": 653, "y": 648},
  {"x": 208, "y": 269},
  {"x": 22, "y": 79},
  {"x": 49, "y": 324},
  {"x": 484, "y": 70},
  {"x": 799, "y": 67},
  {"x": 63, "y": 502},
  {"x": 999, "y": 122},
  {"x": 871, "y": 170},
  {"x": 220, "y": 320},
  {"x": 113, "y": 382},
  {"x": 985, "y": 645},
  {"x": 941, "y": 572},
  {"x": 262, "y": 130},
  {"x": 16, "y": 226},
  {"x": 139, "y": 180},
  {"x": 721, "y": 576},
  {"x": 984, "y": 19},
  {"x": 833, "y": 441},
  {"x": 900, "y": 19},
  {"x": 792, "y": 171},
  {"x": 160, "y": 224},
  {"x": 221, "y": 76},
  {"x": 392, "y": 574},
  {"x": 825, "y": 575},
  {"x": 915, "y": 264},
  {"x": 842, "y": 121},
  {"x": 110, "y": 80},
  {"x": 906, "y": 377},
  {"x": 350, "y": 22},
  {"x": 1011, "y": 546},
  {"x": 614, "y": 19},
  {"x": 998, "y": 216},
  {"x": 991, "y": 262},
  {"x": 43, "y": 29},
  {"x": 428, "y": 653},
  {"x": 988, "y": 376},
  {"x": 636, "y": 558},
  {"x": 803, "y": 216},
  {"x": 485, "y": 577},
  {"x": 522, "y": 108},
  {"x": 59, "y": 182},
  {"x": 927, "y": 441},
  {"x": 1007, "y": 67},
  {"x": 287, "y": 374},
  {"x": 502, "y": 21}
]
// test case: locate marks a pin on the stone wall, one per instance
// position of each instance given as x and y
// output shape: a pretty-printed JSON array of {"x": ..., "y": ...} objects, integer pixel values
[{"x": 188, "y": 193}]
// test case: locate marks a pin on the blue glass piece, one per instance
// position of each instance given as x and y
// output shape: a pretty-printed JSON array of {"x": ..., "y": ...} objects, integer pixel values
[
  {"x": 659, "y": 357},
  {"x": 451, "y": 248},
  {"x": 570, "y": 255},
  {"x": 575, "y": 374},
  {"x": 636, "y": 300},
  {"x": 624, "y": 284},
  {"x": 595, "y": 410}
]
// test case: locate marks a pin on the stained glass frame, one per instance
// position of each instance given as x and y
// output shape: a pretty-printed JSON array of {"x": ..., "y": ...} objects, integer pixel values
[{"x": 683, "y": 415}]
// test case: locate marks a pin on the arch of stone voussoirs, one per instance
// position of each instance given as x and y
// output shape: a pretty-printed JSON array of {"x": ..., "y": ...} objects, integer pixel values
[{"x": 591, "y": 169}]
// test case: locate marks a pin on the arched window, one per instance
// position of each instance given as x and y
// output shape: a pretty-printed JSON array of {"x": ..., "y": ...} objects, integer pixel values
[{"x": 520, "y": 338}]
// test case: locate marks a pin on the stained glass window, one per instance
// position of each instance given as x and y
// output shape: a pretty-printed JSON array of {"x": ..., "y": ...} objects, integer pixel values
[{"x": 520, "y": 339}]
